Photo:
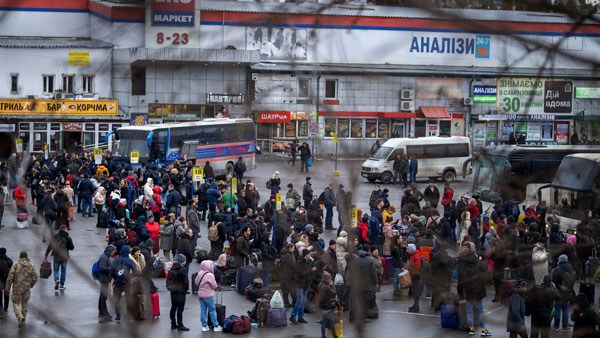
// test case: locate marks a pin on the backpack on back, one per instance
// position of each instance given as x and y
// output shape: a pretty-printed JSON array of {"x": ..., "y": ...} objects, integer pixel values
[
  {"x": 269, "y": 185},
  {"x": 232, "y": 246},
  {"x": 568, "y": 282},
  {"x": 213, "y": 232},
  {"x": 95, "y": 270},
  {"x": 322, "y": 197}
]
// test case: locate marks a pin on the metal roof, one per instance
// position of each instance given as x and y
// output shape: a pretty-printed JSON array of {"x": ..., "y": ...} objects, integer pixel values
[
  {"x": 419, "y": 70},
  {"x": 384, "y": 11},
  {"x": 48, "y": 117},
  {"x": 39, "y": 42}
]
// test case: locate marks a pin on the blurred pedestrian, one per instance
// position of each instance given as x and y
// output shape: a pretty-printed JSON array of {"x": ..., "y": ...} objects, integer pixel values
[{"x": 22, "y": 278}]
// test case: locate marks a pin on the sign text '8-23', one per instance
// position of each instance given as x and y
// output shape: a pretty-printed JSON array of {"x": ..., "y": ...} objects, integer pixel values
[{"x": 175, "y": 38}]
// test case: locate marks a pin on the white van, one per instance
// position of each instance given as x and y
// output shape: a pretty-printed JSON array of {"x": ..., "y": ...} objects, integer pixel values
[{"x": 443, "y": 157}]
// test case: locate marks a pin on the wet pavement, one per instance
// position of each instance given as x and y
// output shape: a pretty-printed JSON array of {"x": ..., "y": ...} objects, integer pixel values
[{"x": 73, "y": 313}]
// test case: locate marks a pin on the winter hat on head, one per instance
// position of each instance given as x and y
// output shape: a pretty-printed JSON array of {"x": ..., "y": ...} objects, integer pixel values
[
  {"x": 332, "y": 242},
  {"x": 412, "y": 248},
  {"x": 547, "y": 279},
  {"x": 23, "y": 254},
  {"x": 121, "y": 231},
  {"x": 309, "y": 227},
  {"x": 571, "y": 240},
  {"x": 222, "y": 261},
  {"x": 305, "y": 252},
  {"x": 2, "y": 251},
  {"x": 326, "y": 277},
  {"x": 180, "y": 259},
  {"x": 563, "y": 259}
]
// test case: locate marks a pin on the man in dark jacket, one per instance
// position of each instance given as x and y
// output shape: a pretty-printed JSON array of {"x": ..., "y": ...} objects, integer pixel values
[
  {"x": 432, "y": 194},
  {"x": 397, "y": 167},
  {"x": 178, "y": 284},
  {"x": 5, "y": 265},
  {"x": 515, "y": 316},
  {"x": 193, "y": 220},
  {"x": 330, "y": 202},
  {"x": 287, "y": 269},
  {"x": 242, "y": 247},
  {"x": 239, "y": 169},
  {"x": 563, "y": 277},
  {"x": 304, "y": 156},
  {"x": 471, "y": 277},
  {"x": 307, "y": 192},
  {"x": 304, "y": 276},
  {"x": 104, "y": 278},
  {"x": 363, "y": 281},
  {"x": 121, "y": 269},
  {"x": 185, "y": 246},
  {"x": 442, "y": 266},
  {"x": 62, "y": 209},
  {"x": 212, "y": 197},
  {"x": 327, "y": 303},
  {"x": 60, "y": 246},
  {"x": 208, "y": 171},
  {"x": 330, "y": 258},
  {"x": 293, "y": 150},
  {"x": 141, "y": 231},
  {"x": 541, "y": 299},
  {"x": 86, "y": 190},
  {"x": 585, "y": 320},
  {"x": 173, "y": 201}
]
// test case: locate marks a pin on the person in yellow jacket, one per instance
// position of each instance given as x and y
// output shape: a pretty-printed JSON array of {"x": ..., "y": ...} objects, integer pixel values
[
  {"x": 101, "y": 170},
  {"x": 388, "y": 215}
]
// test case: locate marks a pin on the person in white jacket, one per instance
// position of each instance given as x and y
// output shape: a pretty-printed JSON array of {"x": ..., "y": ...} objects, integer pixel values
[
  {"x": 148, "y": 192},
  {"x": 539, "y": 258}
]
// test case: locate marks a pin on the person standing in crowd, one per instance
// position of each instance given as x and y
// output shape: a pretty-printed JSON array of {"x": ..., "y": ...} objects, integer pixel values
[
  {"x": 293, "y": 149},
  {"x": 304, "y": 157},
  {"x": 5, "y": 264},
  {"x": 330, "y": 202},
  {"x": 239, "y": 169},
  {"x": 286, "y": 271},
  {"x": 404, "y": 170},
  {"x": 414, "y": 267},
  {"x": 432, "y": 194},
  {"x": 564, "y": 278},
  {"x": 414, "y": 169},
  {"x": 541, "y": 298},
  {"x": 442, "y": 266},
  {"x": 104, "y": 278},
  {"x": 307, "y": 192},
  {"x": 330, "y": 258},
  {"x": 539, "y": 258},
  {"x": 471, "y": 277},
  {"x": 122, "y": 268},
  {"x": 154, "y": 230},
  {"x": 206, "y": 283},
  {"x": 20, "y": 195},
  {"x": 304, "y": 275},
  {"x": 186, "y": 247},
  {"x": 173, "y": 201},
  {"x": 22, "y": 278},
  {"x": 242, "y": 247},
  {"x": 398, "y": 259},
  {"x": 363, "y": 283},
  {"x": 3, "y": 202},
  {"x": 60, "y": 247},
  {"x": 166, "y": 233},
  {"x": 86, "y": 190},
  {"x": 99, "y": 201},
  {"x": 269, "y": 255},
  {"x": 327, "y": 303},
  {"x": 585, "y": 320},
  {"x": 447, "y": 196},
  {"x": 397, "y": 167},
  {"x": 178, "y": 284},
  {"x": 515, "y": 317},
  {"x": 208, "y": 171},
  {"x": 275, "y": 183},
  {"x": 193, "y": 220}
]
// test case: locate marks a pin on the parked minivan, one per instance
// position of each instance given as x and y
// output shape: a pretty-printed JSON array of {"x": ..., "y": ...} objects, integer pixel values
[{"x": 444, "y": 157}]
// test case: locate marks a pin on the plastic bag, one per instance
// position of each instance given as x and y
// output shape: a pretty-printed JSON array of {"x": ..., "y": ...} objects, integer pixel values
[
  {"x": 404, "y": 279},
  {"x": 339, "y": 280},
  {"x": 277, "y": 301}
]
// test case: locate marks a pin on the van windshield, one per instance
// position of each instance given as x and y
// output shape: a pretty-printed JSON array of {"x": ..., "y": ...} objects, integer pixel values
[{"x": 382, "y": 153}]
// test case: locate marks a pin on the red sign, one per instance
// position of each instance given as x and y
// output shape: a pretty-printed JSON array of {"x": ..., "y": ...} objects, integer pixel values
[{"x": 274, "y": 117}]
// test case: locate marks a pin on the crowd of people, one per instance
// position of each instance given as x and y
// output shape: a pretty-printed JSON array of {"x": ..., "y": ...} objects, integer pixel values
[{"x": 153, "y": 217}]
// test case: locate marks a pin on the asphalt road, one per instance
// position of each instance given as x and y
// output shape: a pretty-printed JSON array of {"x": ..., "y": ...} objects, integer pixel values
[{"x": 73, "y": 313}]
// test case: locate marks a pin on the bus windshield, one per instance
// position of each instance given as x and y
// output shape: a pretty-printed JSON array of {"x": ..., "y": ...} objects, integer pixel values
[
  {"x": 382, "y": 153},
  {"x": 132, "y": 140},
  {"x": 489, "y": 174}
]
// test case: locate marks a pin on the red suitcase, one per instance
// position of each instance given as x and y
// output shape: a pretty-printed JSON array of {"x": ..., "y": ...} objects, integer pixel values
[{"x": 155, "y": 305}]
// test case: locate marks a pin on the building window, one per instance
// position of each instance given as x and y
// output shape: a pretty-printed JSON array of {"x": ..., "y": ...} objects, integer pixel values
[
  {"x": 329, "y": 127},
  {"x": 343, "y": 128},
  {"x": 356, "y": 128},
  {"x": 88, "y": 83},
  {"x": 14, "y": 83},
  {"x": 302, "y": 128},
  {"x": 331, "y": 89},
  {"x": 290, "y": 129},
  {"x": 138, "y": 80},
  {"x": 68, "y": 83},
  {"x": 371, "y": 128},
  {"x": 384, "y": 128},
  {"x": 48, "y": 83},
  {"x": 279, "y": 130},
  {"x": 304, "y": 89}
]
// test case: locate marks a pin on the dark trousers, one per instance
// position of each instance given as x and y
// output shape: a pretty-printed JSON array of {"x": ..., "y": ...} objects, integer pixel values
[
  {"x": 329, "y": 217},
  {"x": 306, "y": 204},
  {"x": 328, "y": 322},
  {"x": 405, "y": 180},
  {"x": 118, "y": 290},
  {"x": 522, "y": 333},
  {"x": 540, "y": 326},
  {"x": 292, "y": 159},
  {"x": 4, "y": 297},
  {"x": 102, "y": 308},
  {"x": 496, "y": 282},
  {"x": 216, "y": 249},
  {"x": 177, "y": 306},
  {"x": 303, "y": 165},
  {"x": 1, "y": 215},
  {"x": 212, "y": 210},
  {"x": 416, "y": 289},
  {"x": 62, "y": 214}
]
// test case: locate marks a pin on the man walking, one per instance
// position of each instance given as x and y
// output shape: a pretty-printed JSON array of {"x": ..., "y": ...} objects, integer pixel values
[
  {"x": 60, "y": 246},
  {"x": 307, "y": 192},
  {"x": 330, "y": 202},
  {"x": 86, "y": 190},
  {"x": 104, "y": 278},
  {"x": 22, "y": 278},
  {"x": 5, "y": 264},
  {"x": 239, "y": 169},
  {"x": 293, "y": 149}
]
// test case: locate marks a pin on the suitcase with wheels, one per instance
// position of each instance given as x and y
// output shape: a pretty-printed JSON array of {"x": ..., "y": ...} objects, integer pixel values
[
  {"x": 505, "y": 287},
  {"x": 449, "y": 316},
  {"x": 221, "y": 310},
  {"x": 388, "y": 267},
  {"x": 245, "y": 276},
  {"x": 155, "y": 305},
  {"x": 588, "y": 289},
  {"x": 194, "y": 286}
]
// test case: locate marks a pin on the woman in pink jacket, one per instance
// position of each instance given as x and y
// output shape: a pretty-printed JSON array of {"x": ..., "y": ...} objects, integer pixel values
[{"x": 205, "y": 280}]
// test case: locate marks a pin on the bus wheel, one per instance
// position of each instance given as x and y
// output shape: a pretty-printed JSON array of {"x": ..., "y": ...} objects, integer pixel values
[
  {"x": 229, "y": 170},
  {"x": 449, "y": 176},
  {"x": 386, "y": 178}
]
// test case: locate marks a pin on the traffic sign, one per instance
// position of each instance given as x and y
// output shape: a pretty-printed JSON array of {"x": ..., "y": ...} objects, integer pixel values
[
  {"x": 98, "y": 156},
  {"x": 234, "y": 185},
  {"x": 354, "y": 217},
  {"x": 134, "y": 158},
  {"x": 278, "y": 201},
  {"x": 45, "y": 151},
  {"x": 313, "y": 127},
  {"x": 19, "y": 143},
  {"x": 197, "y": 174}
]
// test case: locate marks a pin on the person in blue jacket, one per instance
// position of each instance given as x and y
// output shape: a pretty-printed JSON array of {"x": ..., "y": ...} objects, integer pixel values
[
  {"x": 212, "y": 197},
  {"x": 414, "y": 168},
  {"x": 121, "y": 269}
]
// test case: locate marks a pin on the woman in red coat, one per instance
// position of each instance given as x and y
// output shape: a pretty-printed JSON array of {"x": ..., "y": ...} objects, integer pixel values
[
  {"x": 448, "y": 195},
  {"x": 20, "y": 195},
  {"x": 153, "y": 228}
]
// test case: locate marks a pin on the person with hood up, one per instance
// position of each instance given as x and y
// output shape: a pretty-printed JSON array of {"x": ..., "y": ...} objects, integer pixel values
[
  {"x": 149, "y": 189},
  {"x": 269, "y": 255},
  {"x": 22, "y": 278},
  {"x": 60, "y": 246},
  {"x": 185, "y": 246},
  {"x": 178, "y": 285},
  {"x": 585, "y": 320},
  {"x": 515, "y": 317},
  {"x": 539, "y": 258},
  {"x": 154, "y": 229},
  {"x": 104, "y": 278},
  {"x": 155, "y": 203},
  {"x": 212, "y": 196},
  {"x": 166, "y": 237},
  {"x": 340, "y": 249},
  {"x": 121, "y": 269},
  {"x": 363, "y": 230},
  {"x": 86, "y": 190},
  {"x": 275, "y": 182},
  {"x": 206, "y": 283},
  {"x": 141, "y": 231}
]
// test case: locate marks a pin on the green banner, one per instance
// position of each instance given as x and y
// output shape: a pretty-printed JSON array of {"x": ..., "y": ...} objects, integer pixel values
[
  {"x": 484, "y": 99},
  {"x": 587, "y": 93}
]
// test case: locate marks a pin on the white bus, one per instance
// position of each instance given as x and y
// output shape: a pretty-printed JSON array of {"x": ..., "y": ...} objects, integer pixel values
[{"x": 445, "y": 157}]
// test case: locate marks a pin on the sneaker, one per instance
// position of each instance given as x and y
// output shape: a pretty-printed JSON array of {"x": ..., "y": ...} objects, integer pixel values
[
  {"x": 118, "y": 319},
  {"x": 567, "y": 329},
  {"x": 205, "y": 329},
  {"x": 302, "y": 320},
  {"x": 472, "y": 331},
  {"x": 173, "y": 326},
  {"x": 556, "y": 328},
  {"x": 62, "y": 288},
  {"x": 182, "y": 328},
  {"x": 485, "y": 333},
  {"x": 293, "y": 320},
  {"x": 56, "y": 285},
  {"x": 218, "y": 329}
]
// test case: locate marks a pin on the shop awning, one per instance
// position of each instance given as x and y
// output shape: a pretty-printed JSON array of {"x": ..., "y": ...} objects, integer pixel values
[{"x": 432, "y": 112}]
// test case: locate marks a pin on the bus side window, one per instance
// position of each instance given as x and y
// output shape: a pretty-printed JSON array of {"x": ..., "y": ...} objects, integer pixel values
[
  {"x": 211, "y": 134},
  {"x": 398, "y": 151},
  {"x": 416, "y": 151},
  {"x": 162, "y": 144}
]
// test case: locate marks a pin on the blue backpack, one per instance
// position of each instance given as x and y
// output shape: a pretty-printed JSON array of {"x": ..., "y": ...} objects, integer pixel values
[{"x": 95, "y": 270}]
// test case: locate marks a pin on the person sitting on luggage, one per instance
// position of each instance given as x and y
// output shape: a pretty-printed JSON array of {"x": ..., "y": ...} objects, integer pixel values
[
  {"x": 178, "y": 285},
  {"x": 205, "y": 280},
  {"x": 327, "y": 303}
]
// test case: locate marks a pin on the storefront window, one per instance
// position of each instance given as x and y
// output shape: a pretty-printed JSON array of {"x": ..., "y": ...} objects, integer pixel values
[
  {"x": 329, "y": 127},
  {"x": 370, "y": 128},
  {"x": 507, "y": 128},
  {"x": 492, "y": 131},
  {"x": 420, "y": 128},
  {"x": 384, "y": 128},
  {"x": 23, "y": 126},
  {"x": 278, "y": 129},
  {"x": 24, "y": 135},
  {"x": 39, "y": 139},
  {"x": 343, "y": 128},
  {"x": 534, "y": 131},
  {"x": 356, "y": 131},
  {"x": 40, "y": 126},
  {"x": 302, "y": 128},
  {"x": 290, "y": 129},
  {"x": 445, "y": 127}
]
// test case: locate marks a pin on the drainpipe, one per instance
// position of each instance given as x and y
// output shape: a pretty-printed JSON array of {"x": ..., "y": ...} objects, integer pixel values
[
  {"x": 316, "y": 114},
  {"x": 468, "y": 122}
]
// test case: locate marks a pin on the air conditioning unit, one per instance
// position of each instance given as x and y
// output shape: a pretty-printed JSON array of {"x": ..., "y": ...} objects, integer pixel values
[
  {"x": 467, "y": 101},
  {"x": 59, "y": 96},
  {"x": 407, "y": 94},
  {"x": 30, "y": 97},
  {"x": 407, "y": 106}
]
